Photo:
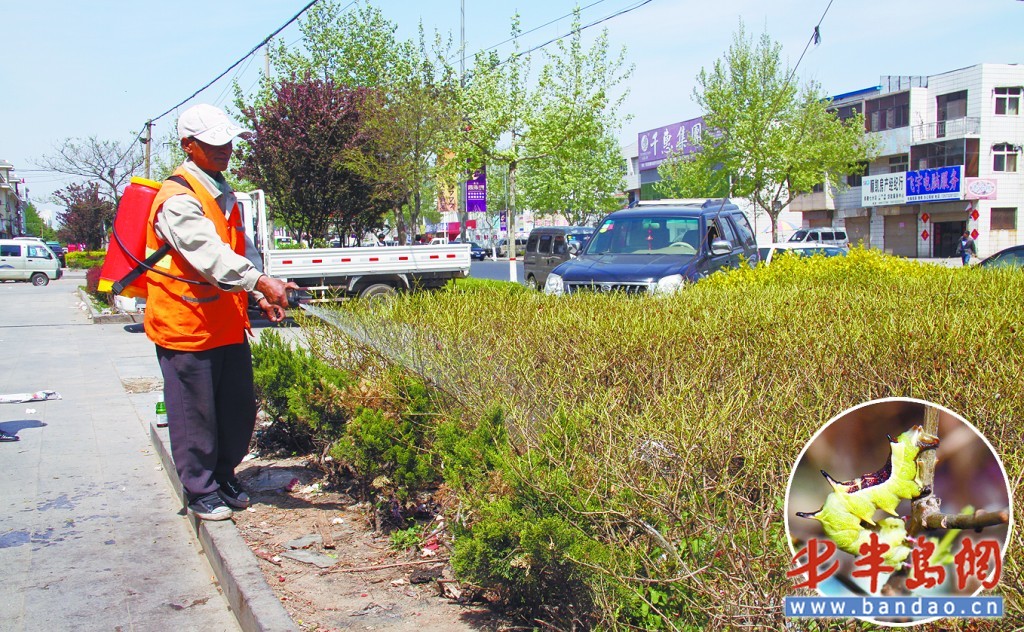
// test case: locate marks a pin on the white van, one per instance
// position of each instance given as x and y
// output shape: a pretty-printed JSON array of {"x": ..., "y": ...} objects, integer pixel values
[
  {"x": 28, "y": 260},
  {"x": 833, "y": 236}
]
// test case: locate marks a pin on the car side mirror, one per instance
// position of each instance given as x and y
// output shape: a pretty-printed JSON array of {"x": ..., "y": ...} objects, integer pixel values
[
  {"x": 720, "y": 247},
  {"x": 574, "y": 249}
]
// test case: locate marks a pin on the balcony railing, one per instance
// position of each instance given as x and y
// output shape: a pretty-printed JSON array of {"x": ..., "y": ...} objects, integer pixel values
[{"x": 953, "y": 128}]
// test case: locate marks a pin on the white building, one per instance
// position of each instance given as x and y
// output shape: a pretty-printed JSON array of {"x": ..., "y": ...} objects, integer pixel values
[
  {"x": 12, "y": 202},
  {"x": 964, "y": 127}
]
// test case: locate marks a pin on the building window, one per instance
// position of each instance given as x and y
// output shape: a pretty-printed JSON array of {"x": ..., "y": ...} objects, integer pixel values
[
  {"x": 1008, "y": 101},
  {"x": 887, "y": 112},
  {"x": 934, "y": 155},
  {"x": 844, "y": 112},
  {"x": 899, "y": 164},
  {"x": 1004, "y": 157},
  {"x": 1004, "y": 219},
  {"x": 855, "y": 179}
]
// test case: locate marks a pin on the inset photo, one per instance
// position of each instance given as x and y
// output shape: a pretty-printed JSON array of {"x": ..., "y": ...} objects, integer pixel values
[{"x": 897, "y": 498}]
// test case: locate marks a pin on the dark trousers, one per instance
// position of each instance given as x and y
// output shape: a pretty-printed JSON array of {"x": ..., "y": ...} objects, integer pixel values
[{"x": 211, "y": 412}]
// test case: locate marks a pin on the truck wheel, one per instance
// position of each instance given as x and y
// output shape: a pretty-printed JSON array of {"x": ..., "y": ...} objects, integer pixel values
[
  {"x": 378, "y": 290},
  {"x": 531, "y": 282},
  {"x": 39, "y": 279}
]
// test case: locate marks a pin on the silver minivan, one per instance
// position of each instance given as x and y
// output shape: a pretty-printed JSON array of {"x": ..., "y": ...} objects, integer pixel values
[
  {"x": 833, "y": 236},
  {"x": 28, "y": 260}
]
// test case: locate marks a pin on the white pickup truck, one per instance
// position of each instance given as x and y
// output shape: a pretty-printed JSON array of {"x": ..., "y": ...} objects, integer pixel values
[{"x": 351, "y": 272}]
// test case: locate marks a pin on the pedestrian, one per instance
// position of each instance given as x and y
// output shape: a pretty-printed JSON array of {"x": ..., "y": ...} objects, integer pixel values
[
  {"x": 966, "y": 248},
  {"x": 196, "y": 314},
  {"x": 5, "y": 437}
]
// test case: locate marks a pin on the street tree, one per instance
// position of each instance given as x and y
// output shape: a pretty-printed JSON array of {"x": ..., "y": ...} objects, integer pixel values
[
  {"x": 500, "y": 109},
  {"x": 407, "y": 101},
  {"x": 35, "y": 225},
  {"x": 297, "y": 156},
  {"x": 567, "y": 117},
  {"x": 408, "y": 123},
  {"x": 109, "y": 164},
  {"x": 353, "y": 47},
  {"x": 766, "y": 139},
  {"x": 87, "y": 215},
  {"x": 578, "y": 174}
]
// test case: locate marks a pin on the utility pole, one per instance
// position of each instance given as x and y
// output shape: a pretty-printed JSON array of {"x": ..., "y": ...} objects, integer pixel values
[
  {"x": 149, "y": 143},
  {"x": 461, "y": 206}
]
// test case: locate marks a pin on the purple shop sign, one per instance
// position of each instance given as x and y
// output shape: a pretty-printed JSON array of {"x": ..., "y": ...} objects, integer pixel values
[
  {"x": 678, "y": 138},
  {"x": 503, "y": 220},
  {"x": 476, "y": 192}
]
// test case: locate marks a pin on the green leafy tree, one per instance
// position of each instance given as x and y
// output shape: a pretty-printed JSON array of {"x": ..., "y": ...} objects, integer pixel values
[
  {"x": 407, "y": 100},
  {"x": 579, "y": 174},
  {"x": 766, "y": 140},
  {"x": 500, "y": 108},
  {"x": 409, "y": 122},
  {"x": 87, "y": 217},
  {"x": 355, "y": 48},
  {"x": 36, "y": 226},
  {"x": 563, "y": 126}
]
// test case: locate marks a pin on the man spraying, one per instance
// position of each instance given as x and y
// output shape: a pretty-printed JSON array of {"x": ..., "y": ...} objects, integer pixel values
[{"x": 196, "y": 314}]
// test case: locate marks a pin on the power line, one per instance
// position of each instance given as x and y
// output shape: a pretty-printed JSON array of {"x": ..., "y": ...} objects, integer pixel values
[
  {"x": 536, "y": 28},
  {"x": 232, "y": 66},
  {"x": 579, "y": 30}
]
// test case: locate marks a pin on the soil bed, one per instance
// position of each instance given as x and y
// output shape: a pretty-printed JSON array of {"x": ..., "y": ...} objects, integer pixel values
[{"x": 360, "y": 583}]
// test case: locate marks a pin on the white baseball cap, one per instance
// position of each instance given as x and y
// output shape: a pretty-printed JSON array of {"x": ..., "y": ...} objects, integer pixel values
[{"x": 208, "y": 124}]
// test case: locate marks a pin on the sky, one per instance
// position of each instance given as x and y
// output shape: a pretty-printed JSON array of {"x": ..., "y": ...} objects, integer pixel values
[{"x": 102, "y": 68}]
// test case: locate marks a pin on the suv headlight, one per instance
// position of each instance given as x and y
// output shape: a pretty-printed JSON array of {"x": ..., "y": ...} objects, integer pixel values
[
  {"x": 554, "y": 285},
  {"x": 669, "y": 284}
]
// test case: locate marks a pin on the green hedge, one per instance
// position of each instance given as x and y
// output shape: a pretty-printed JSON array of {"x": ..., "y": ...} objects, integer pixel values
[
  {"x": 85, "y": 259},
  {"x": 621, "y": 462}
]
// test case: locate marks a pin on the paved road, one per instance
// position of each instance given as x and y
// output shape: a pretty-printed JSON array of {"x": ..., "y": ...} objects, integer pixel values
[
  {"x": 91, "y": 537},
  {"x": 495, "y": 270}
]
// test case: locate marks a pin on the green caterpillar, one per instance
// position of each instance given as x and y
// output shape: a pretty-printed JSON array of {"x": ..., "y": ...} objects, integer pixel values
[{"x": 853, "y": 503}]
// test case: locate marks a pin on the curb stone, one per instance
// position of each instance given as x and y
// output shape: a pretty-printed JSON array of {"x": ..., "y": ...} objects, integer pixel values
[
  {"x": 106, "y": 319},
  {"x": 255, "y": 605}
]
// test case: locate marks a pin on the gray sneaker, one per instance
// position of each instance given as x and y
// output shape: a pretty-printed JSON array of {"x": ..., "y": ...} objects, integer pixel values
[{"x": 210, "y": 507}]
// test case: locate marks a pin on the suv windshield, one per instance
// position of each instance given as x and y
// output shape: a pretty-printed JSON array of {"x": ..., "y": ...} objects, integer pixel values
[
  {"x": 799, "y": 235},
  {"x": 646, "y": 236}
]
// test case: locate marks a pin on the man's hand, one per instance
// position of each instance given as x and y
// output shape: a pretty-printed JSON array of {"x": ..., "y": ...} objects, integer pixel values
[
  {"x": 275, "y": 292},
  {"x": 274, "y": 313}
]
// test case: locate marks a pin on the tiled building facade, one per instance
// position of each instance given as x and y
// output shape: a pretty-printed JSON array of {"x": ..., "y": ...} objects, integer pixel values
[
  {"x": 966, "y": 122},
  {"x": 12, "y": 202}
]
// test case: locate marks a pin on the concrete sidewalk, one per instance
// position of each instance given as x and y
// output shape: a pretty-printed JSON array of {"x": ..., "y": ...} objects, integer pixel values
[{"x": 92, "y": 536}]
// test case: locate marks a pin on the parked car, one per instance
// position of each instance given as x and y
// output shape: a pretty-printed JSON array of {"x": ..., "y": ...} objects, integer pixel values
[
  {"x": 550, "y": 246},
  {"x": 657, "y": 247},
  {"x": 476, "y": 251},
  {"x": 520, "y": 247},
  {"x": 57, "y": 250},
  {"x": 766, "y": 254},
  {"x": 28, "y": 260},
  {"x": 1006, "y": 258},
  {"x": 834, "y": 236}
]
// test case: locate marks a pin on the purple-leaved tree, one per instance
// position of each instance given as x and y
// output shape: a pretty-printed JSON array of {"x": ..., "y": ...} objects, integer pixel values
[{"x": 303, "y": 130}]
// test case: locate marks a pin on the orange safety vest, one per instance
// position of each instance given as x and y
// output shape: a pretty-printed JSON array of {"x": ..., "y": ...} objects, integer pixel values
[{"x": 188, "y": 316}]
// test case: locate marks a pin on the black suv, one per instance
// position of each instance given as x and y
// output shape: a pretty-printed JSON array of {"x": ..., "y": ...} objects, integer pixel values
[{"x": 656, "y": 247}]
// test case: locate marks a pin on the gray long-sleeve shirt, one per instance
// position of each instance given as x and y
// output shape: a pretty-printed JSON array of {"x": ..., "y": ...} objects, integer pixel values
[{"x": 182, "y": 224}]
